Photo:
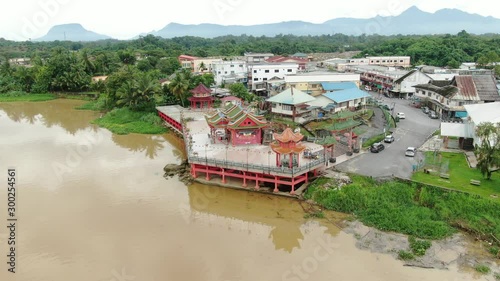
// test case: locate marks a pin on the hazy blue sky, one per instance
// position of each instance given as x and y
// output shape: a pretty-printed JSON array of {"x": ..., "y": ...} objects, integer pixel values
[{"x": 25, "y": 19}]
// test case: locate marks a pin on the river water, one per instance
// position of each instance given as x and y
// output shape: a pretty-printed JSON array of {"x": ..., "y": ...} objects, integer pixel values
[{"x": 95, "y": 206}]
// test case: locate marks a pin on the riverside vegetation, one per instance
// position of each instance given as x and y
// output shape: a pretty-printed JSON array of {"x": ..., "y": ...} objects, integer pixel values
[{"x": 420, "y": 211}]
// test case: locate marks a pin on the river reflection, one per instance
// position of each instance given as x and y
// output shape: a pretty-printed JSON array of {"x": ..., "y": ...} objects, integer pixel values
[
  {"x": 58, "y": 112},
  {"x": 111, "y": 214}
]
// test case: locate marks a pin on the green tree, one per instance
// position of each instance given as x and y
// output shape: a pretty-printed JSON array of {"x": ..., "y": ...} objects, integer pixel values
[
  {"x": 139, "y": 93},
  {"x": 239, "y": 90},
  {"x": 488, "y": 151},
  {"x": 168, "y": 66},
  {"x": 180, "y": 85},
  {"x": 127, "y": 57}
]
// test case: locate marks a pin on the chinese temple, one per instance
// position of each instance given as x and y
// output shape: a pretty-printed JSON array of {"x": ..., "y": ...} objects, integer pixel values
[
  {"x": 236, "y": 126},
  {"x": 288, "y": 148},
  {"x": 202, "y": 97}
]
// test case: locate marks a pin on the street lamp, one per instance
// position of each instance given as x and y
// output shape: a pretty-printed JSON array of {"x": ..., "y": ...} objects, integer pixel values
[
  {"x": 248, "y": 149},
  {"x": 227, "y": 146},
  {"x": 206, "y": 156},
  {"x": 269, "y": 160}
]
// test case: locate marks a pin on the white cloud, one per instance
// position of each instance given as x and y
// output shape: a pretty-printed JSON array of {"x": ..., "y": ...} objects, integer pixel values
[{"x": 121, "y": 19}]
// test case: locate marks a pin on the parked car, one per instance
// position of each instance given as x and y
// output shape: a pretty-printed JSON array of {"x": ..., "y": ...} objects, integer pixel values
[
  {"x": 377, "y": 147},
  {"x": 389, "y": 139},
  {"x": 400, "y": 115},
  {"x": 425, "y": 110},
  {"x": 410, "y": 151},
  {"x": 433, "y": 115}
]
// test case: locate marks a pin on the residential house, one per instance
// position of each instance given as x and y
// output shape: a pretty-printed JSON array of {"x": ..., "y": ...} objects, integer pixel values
[
  {"x": 260, "y": 73},
  {"x": 378, "y": 78},
  {"x": 205, "y": 65},
  {"x": 187, "y": 62},
  {"x": 229, "y": 72},
  {"x": 198, "y": 65},
  {"x": 257, "y": 57},
  {"x": 293, "y": 104},
  {"x": 300, "y": 61},
  {"x": 465, "y": 130},
  {"x": 340, "y": 96},
  {"x": 313, "y": 82},
  {"x": 301, "y": 107},
  {"x": 403, "y": 87},
  {"x": 448, "y": 98}
]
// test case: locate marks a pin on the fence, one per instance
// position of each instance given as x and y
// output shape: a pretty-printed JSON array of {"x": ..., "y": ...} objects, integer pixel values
[{"x": 252, "y": 167}]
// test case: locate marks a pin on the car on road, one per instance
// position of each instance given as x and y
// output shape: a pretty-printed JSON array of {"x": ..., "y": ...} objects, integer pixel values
[
  {"x": 400, "y": 115},
  {"x": 377, "y": 147},
  {"x": 410, "y": 151},
  {"x": 433, "y": 115},
  {"x": 389, "y": 139},
  {"x": 425, "y": 110}
]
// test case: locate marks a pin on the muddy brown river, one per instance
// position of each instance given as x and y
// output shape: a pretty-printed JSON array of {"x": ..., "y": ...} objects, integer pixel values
[{"x": 95, "y": 206}]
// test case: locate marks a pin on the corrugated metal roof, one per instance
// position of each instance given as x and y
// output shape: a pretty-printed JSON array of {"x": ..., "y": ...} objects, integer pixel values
[
  {"x": 486, "y": 87},
  {"x": 346, "y": 95},
  {"x": 466, "y": 88},
  {"x": 292, "y": 97},
  {"x": 337, "y": 86}
]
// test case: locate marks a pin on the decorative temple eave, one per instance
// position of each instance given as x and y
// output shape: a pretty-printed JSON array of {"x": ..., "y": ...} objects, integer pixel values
[
  {"x": 288, "y": 136},
  {"x": 297, "y": 149}
]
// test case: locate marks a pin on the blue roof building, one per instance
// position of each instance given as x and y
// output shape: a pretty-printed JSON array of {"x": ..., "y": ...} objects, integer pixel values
[
  {"x": 346, "y": 95},
  {"x": 338, "y": 86}
]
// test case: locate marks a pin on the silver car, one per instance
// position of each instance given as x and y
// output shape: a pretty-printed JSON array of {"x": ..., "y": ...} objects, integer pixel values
[{"x": 410, "y": 151}]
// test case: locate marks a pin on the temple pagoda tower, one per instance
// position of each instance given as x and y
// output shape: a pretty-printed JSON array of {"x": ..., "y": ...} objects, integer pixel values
[
  {"x": 287, "y": 147},
  {"x": 202, "y": 97}
]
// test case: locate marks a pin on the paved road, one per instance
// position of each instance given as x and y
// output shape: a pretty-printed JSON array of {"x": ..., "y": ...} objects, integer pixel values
[{"x": 412, "y": 131}]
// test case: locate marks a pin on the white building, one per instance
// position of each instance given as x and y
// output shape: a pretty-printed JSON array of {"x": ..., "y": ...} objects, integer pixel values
[
  {"x": 404, "y": 86},
  {"x": 260, "y": 74},
  {"x": 393, "y": 61},
  {"x": 228, "y": 72},
  {"x": 476, "y": 114},
  {"x": 257, "y": 57}
]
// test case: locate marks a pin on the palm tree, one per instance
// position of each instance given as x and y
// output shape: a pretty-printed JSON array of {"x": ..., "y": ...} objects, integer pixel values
[
  {"x": 488, "y": 152},
  {"x": 179, "y": 86},
  {"x": 126, "y": 94}
]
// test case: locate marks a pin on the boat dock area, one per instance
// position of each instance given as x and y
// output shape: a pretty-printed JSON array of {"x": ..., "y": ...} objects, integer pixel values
[{"x": 256, "y": 163}]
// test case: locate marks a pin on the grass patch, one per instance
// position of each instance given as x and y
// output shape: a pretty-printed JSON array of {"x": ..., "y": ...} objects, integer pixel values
[
  {"x": 481, "y": 268},
  {"x": 494, "y": 250},
  {"x": 497, "y": 276},
  {"x": 317, "y": 214},
  {"x": 421, "y": 211},
  {"x": 374, "y": 139},
  {"x": 418, "y": 247},
  {"x": 460, "y": 176},
  {"x": 25, "y": 97},
  {"x": 405, "y": 255},
  {"x": 123, "y": 121}
]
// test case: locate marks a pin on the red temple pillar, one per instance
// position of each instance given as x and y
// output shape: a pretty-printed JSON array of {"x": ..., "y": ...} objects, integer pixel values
[
  {"x": 276, "y": 184},
  {"x": 223, "y": 176},
  {"x": 256, "y": 181},
  {"x": 293, "y": 186},
  {"x": 291, "y": 161},
  {"x": 207, "y": 177},
  {"x": 244, "y": 179}
]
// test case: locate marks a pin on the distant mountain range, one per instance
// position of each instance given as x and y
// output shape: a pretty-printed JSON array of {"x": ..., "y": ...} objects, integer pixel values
[
  {"x": 411, "y": 21},
  {"x": 71, "y": 32}
]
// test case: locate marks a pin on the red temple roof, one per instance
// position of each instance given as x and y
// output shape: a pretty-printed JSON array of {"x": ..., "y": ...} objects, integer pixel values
[
  {"x": 288, "y": 136},
  {"x": 201, "y": 90},
  {"x": 276, "y": 147}
]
